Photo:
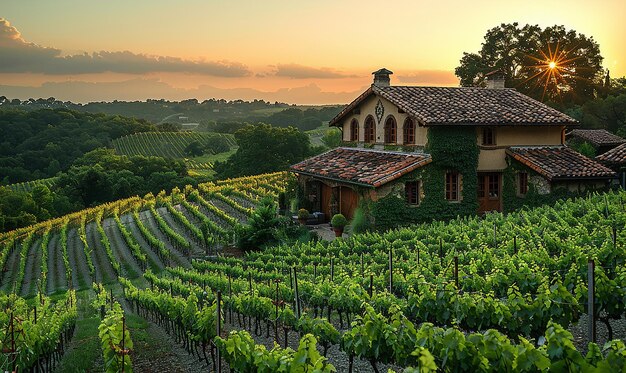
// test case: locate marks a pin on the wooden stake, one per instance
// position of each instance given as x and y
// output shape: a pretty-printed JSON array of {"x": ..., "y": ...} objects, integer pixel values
[{"x": 591, "y": 300}]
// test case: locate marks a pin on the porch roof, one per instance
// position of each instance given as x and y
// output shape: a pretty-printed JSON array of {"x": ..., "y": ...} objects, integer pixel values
[
  {"x": 366, "y": 167},
  {"x": 559, "y": 163}
]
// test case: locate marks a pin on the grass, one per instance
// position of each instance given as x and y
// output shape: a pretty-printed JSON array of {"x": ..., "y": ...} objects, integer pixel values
[{"x": 84, "y": 348}]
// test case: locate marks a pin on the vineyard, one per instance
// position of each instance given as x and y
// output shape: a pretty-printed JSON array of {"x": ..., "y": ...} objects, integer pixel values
[
  {"x": 167, "y": 145},
  {"x": 497, "y": 293},
  {"x": 27, "y": 186}
]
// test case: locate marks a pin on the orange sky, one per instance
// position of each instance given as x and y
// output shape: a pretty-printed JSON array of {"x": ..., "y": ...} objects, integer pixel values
[{"x": 296, "y": 51}]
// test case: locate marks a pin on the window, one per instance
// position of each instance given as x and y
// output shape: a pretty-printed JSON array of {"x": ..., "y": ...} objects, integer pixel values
[
  {"x": 452, "y": 186},
  {"x": 489, "y": 136},
  {"x": 390, "y": 130},
  {"x": 522, "y": 183},
  {"x": 481, "y": 186},
  {"x": 354, "y": 130},
  {"x": 370, "y": 130},
  {"x": 412, "y": 192},
  {"x": 494, "y": 185},
  {"x": 409, "y": 131}
]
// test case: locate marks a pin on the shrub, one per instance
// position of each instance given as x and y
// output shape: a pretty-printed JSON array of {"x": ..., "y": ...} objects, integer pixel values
[
  {"x": 360, "y": 222},
  {"x": 303, "y": 214},
  {"x": 338, "y": 221}
]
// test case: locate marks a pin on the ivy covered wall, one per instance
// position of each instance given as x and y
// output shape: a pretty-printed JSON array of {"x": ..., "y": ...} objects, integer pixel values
[{"x": 452, "y": 149}]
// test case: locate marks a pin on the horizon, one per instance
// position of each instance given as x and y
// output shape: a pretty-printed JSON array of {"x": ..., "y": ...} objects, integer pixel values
[{"x": 297, "y": 53}]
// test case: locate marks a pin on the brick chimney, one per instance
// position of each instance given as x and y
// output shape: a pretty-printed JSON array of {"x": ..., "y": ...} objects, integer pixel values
[
  {"x": 495, "y": 79},
  {"x": 381, "y": 77}
]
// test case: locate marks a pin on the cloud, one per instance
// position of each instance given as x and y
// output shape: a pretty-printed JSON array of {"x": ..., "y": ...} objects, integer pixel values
[
  {"x": 434, "y": 77},
  {"x": 142, "y": 89},
  {"x": 20, "y": 56},
  {"x": 296, "y": 71}
]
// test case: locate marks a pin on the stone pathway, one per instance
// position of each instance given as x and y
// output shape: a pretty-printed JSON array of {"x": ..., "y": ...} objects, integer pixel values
[{"x": 325, "y": 231}]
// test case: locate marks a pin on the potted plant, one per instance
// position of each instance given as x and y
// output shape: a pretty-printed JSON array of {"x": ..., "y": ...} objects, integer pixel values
[
  {"x": 338, "y": 222},
  {"x": 303, "y": 216}
]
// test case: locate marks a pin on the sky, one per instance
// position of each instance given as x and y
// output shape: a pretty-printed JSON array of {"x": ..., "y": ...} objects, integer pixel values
[{"x": 303, "y": 52}]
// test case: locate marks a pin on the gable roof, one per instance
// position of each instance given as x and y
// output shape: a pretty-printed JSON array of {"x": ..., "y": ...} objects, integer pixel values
[
  {"x": 365, "y": 167},
  {"x": 597, "y": 137},
  {"x": 559, "y": 163},
  {"x": 614, "y": 156},
  {"x": 463, "y": 106}
]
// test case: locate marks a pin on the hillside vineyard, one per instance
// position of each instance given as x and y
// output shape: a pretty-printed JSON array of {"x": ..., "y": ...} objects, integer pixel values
[{"x": 494, "y": 293}]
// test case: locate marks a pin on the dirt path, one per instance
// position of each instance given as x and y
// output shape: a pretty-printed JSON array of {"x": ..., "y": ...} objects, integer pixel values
[
  {"x": 178, "y": 227},
  {"x": 81, "y": 278},
  {"x": 57, "y": 280},
  {"x": 12, "y": 264},
  {"x": 177, "y": 257},
  {"x": 32, "y": 271},
  {"x": 105, "y": 273},
  {"x": 156, "y": 264},
  {"x": 219, "y": 221},
  {"x": 129, "y": 266}
]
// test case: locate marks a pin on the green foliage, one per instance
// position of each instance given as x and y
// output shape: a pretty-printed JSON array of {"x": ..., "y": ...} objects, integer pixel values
[
  {"x": 338, "y": 221},
  {"x": 452, "y": 149},
  {"x": 263, "y": 149},
  {"x": 194, "y": 149},
  {"x": 303, "y": 214},
  {"x": 115, "y": 341},
  {"x": 515, "y": 51},
  {"x": 332, "y": 138},
  {"x": 37, "y": 144},
  {"x": 584, "y": 148},
  {"x": 360, "y": 222}
]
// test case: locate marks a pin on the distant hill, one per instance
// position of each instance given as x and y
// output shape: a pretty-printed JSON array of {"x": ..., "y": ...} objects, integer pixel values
[{"x": 173, "y": 145}]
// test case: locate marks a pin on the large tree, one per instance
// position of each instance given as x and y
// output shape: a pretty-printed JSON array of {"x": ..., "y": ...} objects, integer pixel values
[
  {"x": 551, "y": 64},
  {"x": 263, "y": 148}
]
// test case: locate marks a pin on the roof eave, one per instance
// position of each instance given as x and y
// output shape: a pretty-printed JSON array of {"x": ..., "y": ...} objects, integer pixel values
[{"x": 332, "y": 178}]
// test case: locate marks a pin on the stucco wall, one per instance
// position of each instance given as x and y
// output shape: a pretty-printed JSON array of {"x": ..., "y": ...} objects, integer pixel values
[
  {"x": 493, "y": 158},
  {"x": 368, "y": 107}
]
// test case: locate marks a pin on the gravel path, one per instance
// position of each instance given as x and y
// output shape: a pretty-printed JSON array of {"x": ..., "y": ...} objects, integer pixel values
[
  {"x": 105, "y": 273},
  {"x": 581, "y": 337},
  {"x": 56, "y": 269},
  {"x": 129, "y": 266},
  {"x": 155, "y": 263},
  {"x": 81, "y": 278},
  {"x": 177, "y": 257},
  {"x": 32, "y": 271}
]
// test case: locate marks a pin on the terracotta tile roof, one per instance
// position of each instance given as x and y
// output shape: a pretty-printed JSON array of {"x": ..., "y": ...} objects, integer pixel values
[
  {"x": 559, "y": 162},
  {"x": 597, "y": 137},
  {"x": 615, "y": 156},
  {"x": 464, "y": 105},
  {"x": 365, "y": 167}
]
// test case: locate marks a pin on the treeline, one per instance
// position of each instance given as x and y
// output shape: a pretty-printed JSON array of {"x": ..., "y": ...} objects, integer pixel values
[
  {"x": 39, "y": 144},
  {"x": 607, "y": 110},
  {"x": 97, "y": 177},
  {"x": 304, "y": 120}
]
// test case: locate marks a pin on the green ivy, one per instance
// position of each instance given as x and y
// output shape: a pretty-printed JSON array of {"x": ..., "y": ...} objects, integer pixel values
[{"x": 452, "y": 149}]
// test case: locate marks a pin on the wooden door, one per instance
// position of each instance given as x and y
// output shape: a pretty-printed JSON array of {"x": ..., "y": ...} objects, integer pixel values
[
  {"x": 489, "y": 191},
  {"x": 327, "y": 193},
  {"x": 348, "y": 201}
]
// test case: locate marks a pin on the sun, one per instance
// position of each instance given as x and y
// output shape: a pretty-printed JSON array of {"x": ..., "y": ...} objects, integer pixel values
[{"x": 553, "y": 67}]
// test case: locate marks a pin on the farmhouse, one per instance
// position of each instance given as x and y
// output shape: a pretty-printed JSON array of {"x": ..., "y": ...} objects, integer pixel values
[{"x": 443, "y": 151}]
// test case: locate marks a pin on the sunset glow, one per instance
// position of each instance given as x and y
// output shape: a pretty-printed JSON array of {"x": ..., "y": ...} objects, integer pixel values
[{"x": 297, "y": 51}]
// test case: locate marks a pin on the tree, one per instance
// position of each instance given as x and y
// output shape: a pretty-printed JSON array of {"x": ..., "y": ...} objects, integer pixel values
[
  {"x": 194, "y": 149},
  {"x": 332, "y": 138},
  {"x": 524, "y": 55},
  {"x": 262, "y": 149}
]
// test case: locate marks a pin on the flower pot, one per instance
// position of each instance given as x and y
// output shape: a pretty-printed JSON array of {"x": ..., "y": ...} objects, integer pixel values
[
  {"x": 302, "y": 221},
  {"x": 338, "y": 231}
]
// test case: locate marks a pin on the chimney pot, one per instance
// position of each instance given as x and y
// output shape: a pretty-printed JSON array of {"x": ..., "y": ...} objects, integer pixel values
[
  {"x": 381, "y": 77},
  {"x": 495, "y": 79}
]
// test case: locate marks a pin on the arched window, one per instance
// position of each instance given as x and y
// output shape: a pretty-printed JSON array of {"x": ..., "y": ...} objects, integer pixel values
[
  {"x": 390, "y": 130},
  {"x": 354, "y": 130},
  {"x": 370, "y": 130},
  {"x": 409, "y": 131}
]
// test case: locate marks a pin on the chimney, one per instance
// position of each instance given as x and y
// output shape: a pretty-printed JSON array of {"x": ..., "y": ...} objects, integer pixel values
[
  {"x": 495, "y": 79},
  {"x": 381, "y": 77}
]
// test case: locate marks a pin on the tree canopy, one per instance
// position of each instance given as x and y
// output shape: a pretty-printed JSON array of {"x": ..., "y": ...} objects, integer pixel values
[
  {"x": 263, "y": 148},
  {"x": 551, "y": 64}
]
